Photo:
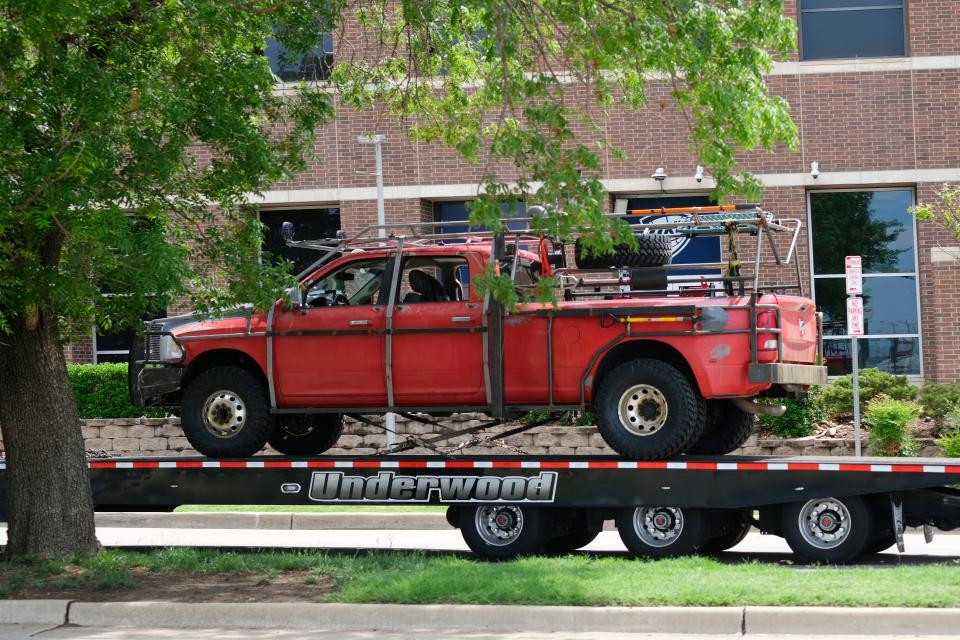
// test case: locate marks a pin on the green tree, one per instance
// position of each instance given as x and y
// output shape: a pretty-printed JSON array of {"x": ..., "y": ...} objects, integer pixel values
[{"x": 104, "y": 103}]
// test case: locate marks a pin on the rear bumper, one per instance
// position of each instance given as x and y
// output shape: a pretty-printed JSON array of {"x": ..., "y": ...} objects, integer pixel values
[{"x": 781, "y": 373}]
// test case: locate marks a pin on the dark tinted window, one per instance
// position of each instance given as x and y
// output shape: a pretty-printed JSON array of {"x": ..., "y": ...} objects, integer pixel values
[
  {"x": 114, "y": 346},
  {"x": 308, "y": 224},
  {"x": 851, "y": 29},
  {"x": 458, "y": 212},
  {"x": 871, "y": 224},
  {"x": 293, "y": 67}
]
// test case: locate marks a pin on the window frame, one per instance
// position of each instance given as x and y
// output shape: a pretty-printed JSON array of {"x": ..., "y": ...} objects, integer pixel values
[
  {"x": 382, "y": 295},
  {"x": 915, "y": 274},
  {"x": 867, "y": 4}
]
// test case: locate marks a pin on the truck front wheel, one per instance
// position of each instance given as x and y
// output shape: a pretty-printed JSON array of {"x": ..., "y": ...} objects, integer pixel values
[
  {"x": 225, "y": 413},
  {"x": 662, "y": 532},
  {"x": 502, "y": 532},
  {"x": 306, "y": 434},
  {"x": 648, "y": 410}
]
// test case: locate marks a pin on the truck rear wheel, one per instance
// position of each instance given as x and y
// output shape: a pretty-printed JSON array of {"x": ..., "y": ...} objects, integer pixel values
[
  {"x": 726, "y": 429},
  {"x": 653, "y": 250},
  {"x": 225, "y": 413},
  {"x": 306, "y": 434},
  {"x": 833, "y": 530},
  {"x": 662, "y": 532},
  {"x": 502, "y": 532},
  {"x": 648, "y": 410}
]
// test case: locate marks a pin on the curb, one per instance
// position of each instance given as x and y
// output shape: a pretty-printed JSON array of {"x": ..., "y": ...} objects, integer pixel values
[
  {"x": 799, "y": 621},
  {"x": 367, "y": 617}
]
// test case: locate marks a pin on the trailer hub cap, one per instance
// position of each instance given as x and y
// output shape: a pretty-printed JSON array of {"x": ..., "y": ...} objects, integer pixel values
[
  {"x": 643, "y": 410},
  {"x": 824, "y": 523},
  {"x": 224, "y": 413},
  {"x": 499, "y": 526},
  {"x": 658, "y": 526}
]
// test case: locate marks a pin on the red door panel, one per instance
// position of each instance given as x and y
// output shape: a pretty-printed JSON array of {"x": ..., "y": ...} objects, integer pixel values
[
  {"x": 438, "y": 354},
  {"x": 330, "y": 356}
]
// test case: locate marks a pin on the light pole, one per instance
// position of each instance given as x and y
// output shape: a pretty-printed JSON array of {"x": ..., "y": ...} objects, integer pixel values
[{"x": 377, "y": 142}]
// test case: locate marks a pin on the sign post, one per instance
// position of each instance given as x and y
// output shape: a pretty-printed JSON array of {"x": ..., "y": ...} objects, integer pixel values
[{"x": 855, "y": 322}]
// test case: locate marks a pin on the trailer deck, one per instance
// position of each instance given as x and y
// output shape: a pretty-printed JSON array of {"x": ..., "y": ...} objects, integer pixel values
[{"x": 830, "y": 509}]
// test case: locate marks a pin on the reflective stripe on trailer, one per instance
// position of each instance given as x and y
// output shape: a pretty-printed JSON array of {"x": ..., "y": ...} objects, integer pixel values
[{"x": 521, "y": 464}]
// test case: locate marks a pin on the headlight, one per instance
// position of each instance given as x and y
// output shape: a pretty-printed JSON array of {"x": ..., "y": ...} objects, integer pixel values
[{"x": 170, "y": 349}]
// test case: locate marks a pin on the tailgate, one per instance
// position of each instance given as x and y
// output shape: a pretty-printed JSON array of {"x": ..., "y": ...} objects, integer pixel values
[{"x": 798, "y": 327}]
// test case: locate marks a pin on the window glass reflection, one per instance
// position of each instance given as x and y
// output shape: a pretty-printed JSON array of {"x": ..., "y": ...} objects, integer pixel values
[
  {"x": 893, "y": 355},
  {"x": 889, "y": 305}
]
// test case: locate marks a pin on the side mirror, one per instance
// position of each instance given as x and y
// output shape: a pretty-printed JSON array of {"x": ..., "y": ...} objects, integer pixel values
[
  {"x": 294, "y": 297},
  {"x": 286, "y": 231}
]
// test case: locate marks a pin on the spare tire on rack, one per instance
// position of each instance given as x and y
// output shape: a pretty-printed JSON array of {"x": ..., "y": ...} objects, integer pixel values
[{"x": 653, "y": 250}]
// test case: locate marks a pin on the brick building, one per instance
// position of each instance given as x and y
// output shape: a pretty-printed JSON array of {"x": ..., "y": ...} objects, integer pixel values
[{"x": 875, "y": 93}]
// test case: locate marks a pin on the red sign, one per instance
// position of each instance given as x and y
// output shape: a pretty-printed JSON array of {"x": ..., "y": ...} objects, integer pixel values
[
  {"x": 854, "y": 271},
  {"x": 855, "y": 316}
]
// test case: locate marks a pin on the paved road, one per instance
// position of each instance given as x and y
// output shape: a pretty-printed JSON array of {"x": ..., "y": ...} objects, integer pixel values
[
  {"x": 756, "y": 545},
  {"x": 23, "y": 632}
]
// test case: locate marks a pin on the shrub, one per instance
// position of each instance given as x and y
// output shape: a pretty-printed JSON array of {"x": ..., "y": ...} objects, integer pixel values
[
  {"x": 949, "y": 443},
  {"x": 939, "y": 400},
  {"x": 101, "y": 392},
  {"x": 801, "y": 417},
  {"x": 891, "y": 427},
  {"x": 838, "y": 397}
]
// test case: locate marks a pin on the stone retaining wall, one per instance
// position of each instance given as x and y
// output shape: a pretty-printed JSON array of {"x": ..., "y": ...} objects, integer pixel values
[{"x": 163, "y": 436}]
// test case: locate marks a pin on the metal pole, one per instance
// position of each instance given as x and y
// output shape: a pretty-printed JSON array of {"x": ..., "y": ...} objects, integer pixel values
[
  {"x": 855, "y": 357},
  {"x": 390, "y": 419}
]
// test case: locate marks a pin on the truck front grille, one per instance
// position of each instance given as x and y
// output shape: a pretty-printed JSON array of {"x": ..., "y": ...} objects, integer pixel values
[{"x": 153, "y": 341}]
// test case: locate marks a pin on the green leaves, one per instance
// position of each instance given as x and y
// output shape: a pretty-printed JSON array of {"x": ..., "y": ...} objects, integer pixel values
[{"x": 131, "y": 131}]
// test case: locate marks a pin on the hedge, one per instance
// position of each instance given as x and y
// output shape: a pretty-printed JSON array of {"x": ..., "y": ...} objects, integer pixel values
[{"x": 101, "y": 392}]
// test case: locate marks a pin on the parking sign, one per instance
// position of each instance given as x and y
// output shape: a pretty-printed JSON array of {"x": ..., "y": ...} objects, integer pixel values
[
  {"x": 854, "y": 272},
  {"x": 855, "y": 316}
]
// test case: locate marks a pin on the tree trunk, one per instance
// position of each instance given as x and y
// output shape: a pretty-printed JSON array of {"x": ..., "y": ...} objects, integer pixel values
[{"x": 48, "y": 484}]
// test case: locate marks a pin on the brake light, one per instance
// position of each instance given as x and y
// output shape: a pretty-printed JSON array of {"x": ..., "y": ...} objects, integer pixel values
[{"x": 766, "y": 319}]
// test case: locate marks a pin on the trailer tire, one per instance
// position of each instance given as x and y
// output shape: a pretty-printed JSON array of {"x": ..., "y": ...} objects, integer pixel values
[
  {"x": 726, "y": 428},
  {"x": 503, "y": 532},
  {"x": 648, "y": 410},
  {"x": 653, "y": 250},
  {"x": 881, "y": 541},
  {"x": 580, "y": 530},
  {"x": 662, "y": 532},
  {"x": 225, "y": 413},
  {"x": 726, "y": 540},
  {"x": 306, "y": 434},
  {"x": 831, "y": 530}
]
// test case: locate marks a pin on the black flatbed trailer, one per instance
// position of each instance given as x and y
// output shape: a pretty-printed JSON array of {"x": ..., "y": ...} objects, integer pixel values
[{"x": 830, "y": 509}]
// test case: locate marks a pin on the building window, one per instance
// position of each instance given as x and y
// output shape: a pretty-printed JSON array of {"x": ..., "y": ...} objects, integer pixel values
[
  {"x": 831, "y": 29},
  {"x": 458, "y": 213},
  {"x": 292, "y": 67},
  {"x": 308, "y": 224},
  {"x": 876, "y": 226},
  {"x": 114, "y": 346}
]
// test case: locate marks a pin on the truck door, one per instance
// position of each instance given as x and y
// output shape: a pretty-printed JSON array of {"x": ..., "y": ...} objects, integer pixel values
[
  {"x": 437, "y": 339},
  {"x": 331, "y": 354}
]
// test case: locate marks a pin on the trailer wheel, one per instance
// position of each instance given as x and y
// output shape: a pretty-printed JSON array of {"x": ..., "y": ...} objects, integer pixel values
[
  {"x": 726, "y": 540},
  {"x": 225, "y": 413},
  {"x": 833, "y": 530},
  {"x": 580, "y": 530},
  {"x": 501, "y": 532},
  {"x": 662, "y": 532},
  {"x": 653, "y": 250},
  {"x": 726, "y": 429},
  {"x": 306, "y": 434},
  {"x": 648, "y": 410},
  {"x": 881, "y": 541}
]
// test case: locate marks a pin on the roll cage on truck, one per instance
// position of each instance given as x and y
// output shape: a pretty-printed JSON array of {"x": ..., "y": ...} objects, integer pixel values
[{"x": 828, "y": 509}]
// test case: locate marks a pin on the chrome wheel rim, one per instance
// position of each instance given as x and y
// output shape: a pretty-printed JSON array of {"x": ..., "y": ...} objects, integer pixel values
[
  {"x": 658, "y": 526},
  {"x": 224, "y": 413},
  {"x": 499, "y": 526},
  {"x": 824, "y": 523},
  {"x": 643, "y": 410}
]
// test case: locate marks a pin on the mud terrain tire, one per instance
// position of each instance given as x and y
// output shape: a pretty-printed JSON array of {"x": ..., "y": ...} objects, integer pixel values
[
  {"x": 231, "y": 402},
  {"x": 726, "y": 429},
  {"x": 653, "y": 250},
  {"x": 306, "y": 434}
]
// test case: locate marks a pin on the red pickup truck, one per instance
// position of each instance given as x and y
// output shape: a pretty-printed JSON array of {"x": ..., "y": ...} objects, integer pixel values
[{"x": 398, "y": 324}]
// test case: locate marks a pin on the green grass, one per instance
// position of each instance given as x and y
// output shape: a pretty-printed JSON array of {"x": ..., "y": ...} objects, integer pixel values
[
  {"x": 309, "y": 508},
  {"x": 573, "y": 580}
]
